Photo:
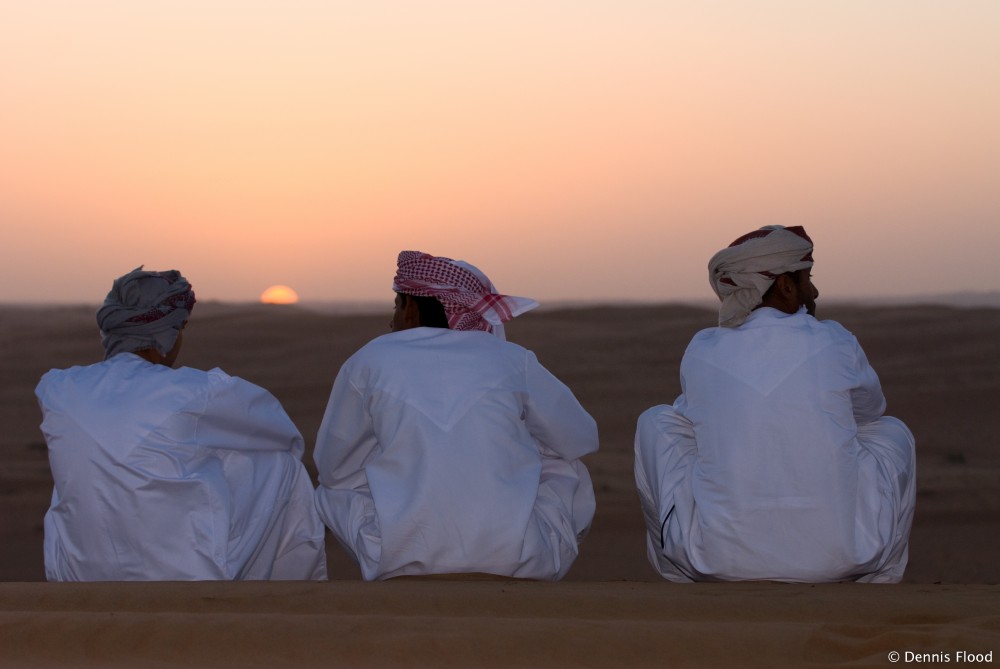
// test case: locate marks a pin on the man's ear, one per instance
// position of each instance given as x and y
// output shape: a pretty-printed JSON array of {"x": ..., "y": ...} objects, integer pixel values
[
  {"x": 411, "y": 312},
  {"x": 787, "y": 288},
  {"x": 787, "y": 293}
]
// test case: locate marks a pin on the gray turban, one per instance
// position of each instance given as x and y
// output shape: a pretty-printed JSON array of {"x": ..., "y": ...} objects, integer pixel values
[
  {"x": 742, "y": 273},
  {"x": 144, "y": 310}
]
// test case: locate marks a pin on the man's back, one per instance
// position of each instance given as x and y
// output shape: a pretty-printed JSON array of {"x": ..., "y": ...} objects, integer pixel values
[
  {"x": 164, "y": 474},
  {"x": 776, "y": 461},
  {"x": 781, "y": 484},
  {"x": 455, "y": 431}
]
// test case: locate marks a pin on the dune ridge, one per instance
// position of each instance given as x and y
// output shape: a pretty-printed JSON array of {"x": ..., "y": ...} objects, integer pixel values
[{"x": 454, "y": 623}]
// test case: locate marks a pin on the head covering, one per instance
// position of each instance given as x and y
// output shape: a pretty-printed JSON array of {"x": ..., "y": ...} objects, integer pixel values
[
  {"x": 144, "y": 310},
  {"x": 469, "y": 298},
  {"x": 742, "y": 273}
]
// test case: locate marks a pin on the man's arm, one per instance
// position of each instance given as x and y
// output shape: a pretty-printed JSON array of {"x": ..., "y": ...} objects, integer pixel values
[
  {"x": 867, "y": 399},
  {"x": 554, "y": 416},
  {"x": 344, "y": 445},
  {"x": 346, "y": 439},
  {"x": 242, "y": 416},
  {"x": 274, "y": 530}
]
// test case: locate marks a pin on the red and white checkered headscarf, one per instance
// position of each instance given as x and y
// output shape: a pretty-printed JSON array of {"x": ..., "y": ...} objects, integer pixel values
[
  {"x": 742, "y": 273},
  {"x": 469, "y": 298}
]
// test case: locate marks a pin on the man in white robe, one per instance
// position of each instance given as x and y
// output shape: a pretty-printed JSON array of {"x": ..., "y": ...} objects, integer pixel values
[
  {"x": 445, "y": 448},
  {"x": 170, "y": 474},
  {"x": 776, "y": 462}
]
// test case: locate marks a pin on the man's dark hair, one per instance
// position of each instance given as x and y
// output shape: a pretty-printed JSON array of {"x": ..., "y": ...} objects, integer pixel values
[
  {"x": 431, "y": 311},
  {"x": 795, "y": 275}
]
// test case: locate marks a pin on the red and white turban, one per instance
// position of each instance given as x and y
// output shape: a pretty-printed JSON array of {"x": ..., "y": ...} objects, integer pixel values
[
  {"x": 469, "y": 298},
  {"x": 742, "y": 273}
]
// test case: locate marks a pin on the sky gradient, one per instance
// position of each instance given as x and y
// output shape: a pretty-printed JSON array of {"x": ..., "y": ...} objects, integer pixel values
[{"x": 573, "y": 150}]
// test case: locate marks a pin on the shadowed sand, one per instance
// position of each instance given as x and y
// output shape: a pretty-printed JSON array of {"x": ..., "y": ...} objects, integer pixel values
[
  {"x": 441, "y": 623},
  {"x": 940, "y": 369}
]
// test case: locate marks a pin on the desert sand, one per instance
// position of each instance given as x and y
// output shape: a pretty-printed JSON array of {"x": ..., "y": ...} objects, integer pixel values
[
  {"x": 434, "y": 623},
  {"x": 940, "y": 369}
]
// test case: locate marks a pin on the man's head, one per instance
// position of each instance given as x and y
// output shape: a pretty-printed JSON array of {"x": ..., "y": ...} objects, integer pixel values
[
  {"x": 791, "y": 291},
  {"x": 750, "y": 268},
  {"x": 467, "y": 298},
  {"x": 145, "y": 313},
  {"x": 413, "y": 311}
]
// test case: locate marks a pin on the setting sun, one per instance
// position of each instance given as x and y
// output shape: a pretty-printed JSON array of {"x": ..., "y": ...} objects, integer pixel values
[{"x": 279, "y": 295}]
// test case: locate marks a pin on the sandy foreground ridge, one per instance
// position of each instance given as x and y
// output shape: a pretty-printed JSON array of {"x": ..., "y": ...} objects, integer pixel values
[
  {"x": 454, "y": 623},
  {"x": 940, "y": 369}
]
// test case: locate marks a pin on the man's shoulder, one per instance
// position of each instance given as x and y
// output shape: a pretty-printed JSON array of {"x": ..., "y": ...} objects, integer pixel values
[
  {"x": 121, "y": 377},
  {"x": 789, "y": 327},
  {"x": 709, "y": 336},
  {"x": 213, "y": 383},
  {"x": 126, "y": 366},
  {"x": 58, "y": 378},
  {"x": 709, "y": 333},
  {"x": 378, "y": 351},
  {"x": 83, "y": 374},
  {"x": 835, "y": 327},
  {"x": 432, "y": 346},
  {"x": 829, "y": 329},
  {"x": 799, "y": 322},
  {"x": 433, "y": 338},
  {"x": 380, "y": 344}
]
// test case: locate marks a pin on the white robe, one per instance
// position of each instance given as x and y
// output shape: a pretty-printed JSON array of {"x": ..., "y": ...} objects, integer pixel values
[
  {"x": 173, "y": 474},
  {"x": 447, "y": 451},
  {"x": 776, "y": 461}
]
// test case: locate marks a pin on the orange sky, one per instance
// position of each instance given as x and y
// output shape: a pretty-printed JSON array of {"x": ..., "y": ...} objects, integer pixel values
[{"x": 573, "y": 150}]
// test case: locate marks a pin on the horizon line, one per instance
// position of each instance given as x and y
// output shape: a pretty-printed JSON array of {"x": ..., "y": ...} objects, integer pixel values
[{"x": 965, "y": 299}]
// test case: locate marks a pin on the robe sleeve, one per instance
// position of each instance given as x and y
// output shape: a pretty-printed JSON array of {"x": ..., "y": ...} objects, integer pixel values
[
  {"x": 241, "y": 416},
  {"x": 346, "y": 439},
  {"x": 554, "y": 416},
  {"x": 866, "y": 397}
]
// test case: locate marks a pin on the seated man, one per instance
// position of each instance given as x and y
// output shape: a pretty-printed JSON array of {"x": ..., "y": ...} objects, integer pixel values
[
  {"x": 170, "y": 474},
  {"x": 776, "y": 461},
  {"x": 446, "y": 449}
]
